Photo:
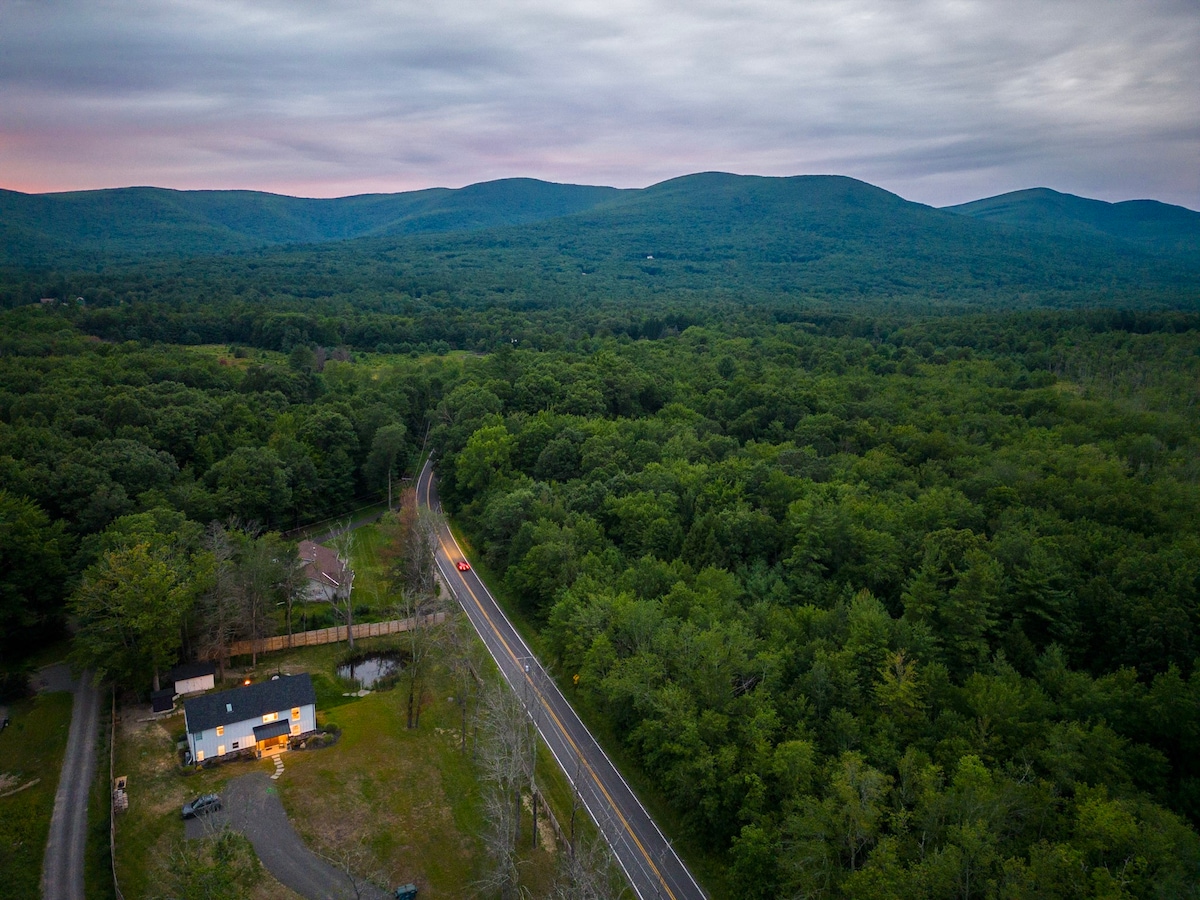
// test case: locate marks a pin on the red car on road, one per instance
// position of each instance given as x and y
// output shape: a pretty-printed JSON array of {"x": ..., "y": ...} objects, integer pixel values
[{"x": 464, "y": 566}]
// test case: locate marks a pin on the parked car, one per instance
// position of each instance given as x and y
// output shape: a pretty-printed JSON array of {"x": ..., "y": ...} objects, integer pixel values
[
  {"x": 201, "y": 806},
  {"x": 464, "y": 566}
]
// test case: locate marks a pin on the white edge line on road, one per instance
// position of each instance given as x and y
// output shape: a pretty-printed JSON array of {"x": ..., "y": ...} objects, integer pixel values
[
  {"x": 429, "y": 466},
  {"x": 580, "y": 794}
]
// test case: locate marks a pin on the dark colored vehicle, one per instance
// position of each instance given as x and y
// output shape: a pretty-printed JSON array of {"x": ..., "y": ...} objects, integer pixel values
[
  {"x": 406, "y": 892},
  {"x": 464, "y": 566},
  {"x": 201, "y": 806}
]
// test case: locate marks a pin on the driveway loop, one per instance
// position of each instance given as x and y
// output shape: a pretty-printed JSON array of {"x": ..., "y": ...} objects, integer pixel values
[{"x": 251, "y": 805}]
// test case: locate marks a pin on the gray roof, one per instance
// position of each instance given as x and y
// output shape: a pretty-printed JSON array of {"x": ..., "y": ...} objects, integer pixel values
[
  {"x": 191, "y": 670},
  {"x": 248, "y": 702}
]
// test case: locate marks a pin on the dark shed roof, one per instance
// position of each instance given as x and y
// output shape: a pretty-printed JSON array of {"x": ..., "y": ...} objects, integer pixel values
[
  {"x": 191, "y": 670},
  {"x": 248, "y": 702}
]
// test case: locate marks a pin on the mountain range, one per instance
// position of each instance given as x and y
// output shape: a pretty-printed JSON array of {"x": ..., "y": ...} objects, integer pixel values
[{"x": 736, "y": 235}]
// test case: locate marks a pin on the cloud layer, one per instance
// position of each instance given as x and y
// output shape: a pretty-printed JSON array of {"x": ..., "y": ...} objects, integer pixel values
[{"x": 938, "y": 100}]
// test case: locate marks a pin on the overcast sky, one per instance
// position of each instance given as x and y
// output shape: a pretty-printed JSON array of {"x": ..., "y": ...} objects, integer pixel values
[{"x": 941, "y": 101}]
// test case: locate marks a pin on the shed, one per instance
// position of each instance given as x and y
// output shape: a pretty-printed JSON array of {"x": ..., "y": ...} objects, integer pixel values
[{"x": 193, "y": 677}]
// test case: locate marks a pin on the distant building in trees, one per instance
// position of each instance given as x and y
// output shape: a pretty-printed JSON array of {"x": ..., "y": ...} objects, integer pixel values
[{"x": 328, "y": 574}]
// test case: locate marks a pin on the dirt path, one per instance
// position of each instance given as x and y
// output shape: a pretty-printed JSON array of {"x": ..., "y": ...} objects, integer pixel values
[
  {"x": 62, "y": 866},
  {"x": 251, "y": 805}
]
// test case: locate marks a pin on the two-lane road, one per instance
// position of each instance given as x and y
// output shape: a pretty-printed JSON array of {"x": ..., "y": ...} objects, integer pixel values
[{"x": 648, "y": 859}]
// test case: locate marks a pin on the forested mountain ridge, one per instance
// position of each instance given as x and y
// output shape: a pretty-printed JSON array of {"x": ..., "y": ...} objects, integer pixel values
[
  {"x": 1148, "y": 225},
  {"x": 823, "y": 238},
  {"x": 147, "y": 221}
]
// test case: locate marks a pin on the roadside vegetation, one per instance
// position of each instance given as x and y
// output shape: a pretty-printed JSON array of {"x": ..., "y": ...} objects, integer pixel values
[{"x": 31, "y": 754}]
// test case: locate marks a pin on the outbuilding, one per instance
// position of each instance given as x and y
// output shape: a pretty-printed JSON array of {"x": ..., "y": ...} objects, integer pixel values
[
  {"x": 262, "y": 717},
  {"x": 191, "y": 678}
]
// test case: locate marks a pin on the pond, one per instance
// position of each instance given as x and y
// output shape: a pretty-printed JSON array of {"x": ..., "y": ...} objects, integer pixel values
[{"x": 368, "y": 670}]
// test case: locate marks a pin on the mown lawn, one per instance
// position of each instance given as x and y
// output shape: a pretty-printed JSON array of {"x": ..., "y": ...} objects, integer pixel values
[
  {"x": 152, "y": 826},
  {"x": 409, "y": 799},
  {"x": 31, "y": 753}
]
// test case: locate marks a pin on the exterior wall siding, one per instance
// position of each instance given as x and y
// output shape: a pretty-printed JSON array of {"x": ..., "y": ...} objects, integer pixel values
[
  {"x": 243, "y": 733},
  {"x": 191, "y": 685}
]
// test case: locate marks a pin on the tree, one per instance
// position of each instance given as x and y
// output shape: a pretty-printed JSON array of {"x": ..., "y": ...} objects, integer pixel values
[
  {"x": 130, "y": 607},
  {"x": 32, "y": 572},
  {"x": 504, "y": 761},
  {"x": 268, "y": 575},
  {"x": 252, "y": 484},
  {"x": 387, "y": 448},
  {"x": 342, "y": 599},
  {"x": 218, "y": 604}
]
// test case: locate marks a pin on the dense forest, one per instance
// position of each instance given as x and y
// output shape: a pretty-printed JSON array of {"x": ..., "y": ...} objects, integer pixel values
[{"x": 891, "y": 596}]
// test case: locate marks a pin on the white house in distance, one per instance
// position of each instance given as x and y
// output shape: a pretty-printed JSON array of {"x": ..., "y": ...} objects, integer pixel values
[
  {"x": 260, "y": 717},
  {"x": 329, "y": 577}
]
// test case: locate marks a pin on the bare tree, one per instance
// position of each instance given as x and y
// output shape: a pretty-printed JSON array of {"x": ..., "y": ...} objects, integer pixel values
[
  {"x": 342, "y": 599},
  {"x": 424, "y": 614},
  {"x": 503, "y": 759},
  {"x": 350, "y": 853},
  {"x": 411, "y": 546},
  {"x": 464, "y": 654},
  {"x": 589, "y": 872}
]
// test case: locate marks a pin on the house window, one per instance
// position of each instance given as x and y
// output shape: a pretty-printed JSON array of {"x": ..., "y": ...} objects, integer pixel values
[
  {"x": 295, "y": 729},
  {"x": 235, "y": 745},
  {"x": 199, "y": 756},
  {"x": 295, "y": 713},
  {"x": 220, "y": 731},
  {"x": 220, "y": 749},
  {"x": 270, "y": 717}
]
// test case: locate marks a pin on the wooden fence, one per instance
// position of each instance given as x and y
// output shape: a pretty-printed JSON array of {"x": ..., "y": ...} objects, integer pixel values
[{"x": 332, "y": 635}]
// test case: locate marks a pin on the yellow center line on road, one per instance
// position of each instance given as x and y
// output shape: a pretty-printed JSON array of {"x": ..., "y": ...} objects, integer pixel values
[{"x": 562, "y": 729}]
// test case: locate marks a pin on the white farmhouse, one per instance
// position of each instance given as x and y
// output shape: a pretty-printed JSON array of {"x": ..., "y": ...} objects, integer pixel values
[{"x": 260, "y": 717}]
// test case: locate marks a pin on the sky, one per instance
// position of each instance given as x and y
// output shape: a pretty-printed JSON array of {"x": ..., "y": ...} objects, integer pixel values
[{"x": 940, "y": 101}]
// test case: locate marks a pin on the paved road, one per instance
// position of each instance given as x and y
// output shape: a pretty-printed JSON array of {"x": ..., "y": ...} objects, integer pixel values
[
  {"x": 648, "y": 859},
  {"x": 251, "y": 805},
  {"x": 62, "y": 866}
]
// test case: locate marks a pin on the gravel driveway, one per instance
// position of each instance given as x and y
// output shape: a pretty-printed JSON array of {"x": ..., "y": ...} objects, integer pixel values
[
  {"x": 66, "y": 844},
  {"x": 251, "y": 805}
]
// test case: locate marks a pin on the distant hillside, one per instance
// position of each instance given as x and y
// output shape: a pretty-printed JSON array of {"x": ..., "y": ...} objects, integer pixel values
[
  {"x": 711, "y": 235},
  {"x": 814, "y": 236},
  {"x": 1148, "y": 225},
  {"x": 55, "y": 229}
]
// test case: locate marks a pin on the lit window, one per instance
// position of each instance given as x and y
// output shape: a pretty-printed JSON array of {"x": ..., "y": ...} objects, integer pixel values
[
  {"x": 199, "y": 756},
  {"x": 295, "y": 729},
  {"x": 270, "y": 717},
  {"x": 296, "y": 712},
  {"x": 220, "y": 731}
]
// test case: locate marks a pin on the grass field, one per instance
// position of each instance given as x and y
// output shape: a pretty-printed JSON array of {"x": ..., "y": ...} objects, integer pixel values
[
  {"x": 31, "y": 753},
  {"x": 151, "y": 827},
  {"x": 407, "y": 802}
]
